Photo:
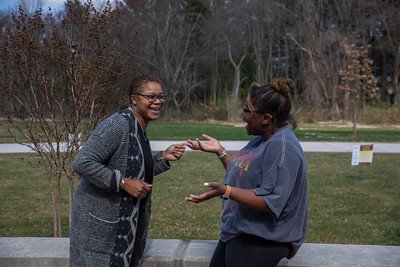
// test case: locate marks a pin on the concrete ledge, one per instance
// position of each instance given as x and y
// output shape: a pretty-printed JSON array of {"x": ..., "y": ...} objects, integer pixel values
[
  {"x": 46, "y": 252},
  {"x": 198, "y": 253},
  {"x": 328, "y": 255},
  {"x": 33, "y": 251},
  {"x": 163, "y": 252}
]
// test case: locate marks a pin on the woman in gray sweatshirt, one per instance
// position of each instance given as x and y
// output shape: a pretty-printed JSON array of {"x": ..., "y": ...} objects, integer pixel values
[{"x": 264, "y": 194}]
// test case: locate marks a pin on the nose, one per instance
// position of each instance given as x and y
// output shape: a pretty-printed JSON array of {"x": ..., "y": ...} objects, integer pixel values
[
  {"x": 160, "y": 101},
  {"x": 244, "y": 117}
]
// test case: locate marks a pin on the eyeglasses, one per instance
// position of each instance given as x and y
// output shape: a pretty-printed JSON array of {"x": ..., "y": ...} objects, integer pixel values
[
  {"x": 246, "y": 110},
  {"x": 152, "y": 97}
]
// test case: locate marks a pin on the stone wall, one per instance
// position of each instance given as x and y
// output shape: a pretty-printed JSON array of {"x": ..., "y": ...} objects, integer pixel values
[{"x": 54, "y": 252}]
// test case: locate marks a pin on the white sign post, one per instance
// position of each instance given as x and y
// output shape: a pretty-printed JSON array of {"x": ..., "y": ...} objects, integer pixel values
[{"x": 362, "y": 154}]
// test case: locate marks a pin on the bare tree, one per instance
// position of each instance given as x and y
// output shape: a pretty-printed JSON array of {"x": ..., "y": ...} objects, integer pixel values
[
  {"x": 233, "y": 42},
  {"x": 262, "y": 19},
  {"x": 57, "y": 81},
  {"x": 312, "y": 41},
  {"x": 233, "y": 19},
  {"x": 233, "y": 97},
  {"x": 386, "y": 32},
  {"x": 167, "y": 45}
]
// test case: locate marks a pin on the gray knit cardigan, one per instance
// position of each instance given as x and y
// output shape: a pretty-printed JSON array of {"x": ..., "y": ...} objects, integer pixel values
[{"x": 102, "y": 163}]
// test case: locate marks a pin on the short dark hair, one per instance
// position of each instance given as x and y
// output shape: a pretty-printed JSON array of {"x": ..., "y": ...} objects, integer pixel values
[
  {"x": 273, "y": 98},
  {"x": 137, "y": 83}
]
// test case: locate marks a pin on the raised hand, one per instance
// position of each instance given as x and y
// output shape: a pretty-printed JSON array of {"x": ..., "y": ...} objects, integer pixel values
[
  {"x": 209, "y": 145},
  {"x": 174, "y": 152}
]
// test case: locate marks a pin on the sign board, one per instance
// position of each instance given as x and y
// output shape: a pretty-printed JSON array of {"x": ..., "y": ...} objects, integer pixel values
[{"x": 362, "y": 154}]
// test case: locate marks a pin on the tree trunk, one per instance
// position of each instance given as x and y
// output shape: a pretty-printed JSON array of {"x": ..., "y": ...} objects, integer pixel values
[
  {"x": 236, "y": 82},
  {"x": 346, "y": 105},
  {"x": 56, "y": 207},
  {"x": 354, "y": 119},
  {"x": 70, "y": 199},
  {"x": 214, "y": 80},
  {"x": 232, "y": 106},
  {"x": 396, "y": 73},
  {"x": 335, "y": 113}
]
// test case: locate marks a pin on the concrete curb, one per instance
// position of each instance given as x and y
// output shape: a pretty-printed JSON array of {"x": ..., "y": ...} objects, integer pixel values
[
  {"x": 163, "y": 252},
  {"x": 54, "y": 252},
  {"x": 32, "y": 251}
]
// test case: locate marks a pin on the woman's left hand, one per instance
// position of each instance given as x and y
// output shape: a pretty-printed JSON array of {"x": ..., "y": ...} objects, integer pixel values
[
  {"x": 174, "y": 152},
  {"x": 215, "y": 190}
]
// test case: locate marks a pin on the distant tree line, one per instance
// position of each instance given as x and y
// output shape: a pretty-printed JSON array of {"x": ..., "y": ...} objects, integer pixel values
[{"x": 208, "y": 52}]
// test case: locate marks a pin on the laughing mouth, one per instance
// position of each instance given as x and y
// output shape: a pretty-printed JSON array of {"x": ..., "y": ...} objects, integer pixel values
[{"x": 155, "y": 109}]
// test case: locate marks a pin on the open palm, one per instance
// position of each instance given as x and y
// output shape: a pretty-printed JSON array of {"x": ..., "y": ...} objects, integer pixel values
[{"x": 210, "y": 144}]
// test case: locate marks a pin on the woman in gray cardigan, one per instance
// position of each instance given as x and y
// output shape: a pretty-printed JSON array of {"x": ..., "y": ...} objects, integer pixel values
[{"x": 112, "y": 206}]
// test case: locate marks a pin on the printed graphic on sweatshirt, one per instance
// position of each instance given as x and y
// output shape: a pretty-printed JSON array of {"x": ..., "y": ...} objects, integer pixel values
[{"x": 241, "y": 163}]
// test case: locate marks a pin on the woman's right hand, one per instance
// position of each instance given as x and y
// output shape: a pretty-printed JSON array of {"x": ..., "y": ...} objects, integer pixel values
[
  {"x": 137, "y": 188},
  {"x": 209, "y": 145}
]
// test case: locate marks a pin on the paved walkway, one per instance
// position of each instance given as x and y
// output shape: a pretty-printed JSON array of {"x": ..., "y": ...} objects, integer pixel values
[{"x": 337, "y": 147}]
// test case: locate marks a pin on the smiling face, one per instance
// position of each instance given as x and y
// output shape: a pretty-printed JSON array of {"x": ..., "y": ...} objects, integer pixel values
[{"x": 148, "y": 102}]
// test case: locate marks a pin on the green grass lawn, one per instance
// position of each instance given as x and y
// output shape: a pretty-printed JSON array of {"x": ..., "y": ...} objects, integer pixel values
[
  {"x": 183, "y": 130},
  {"x": 305, "y": 132},
  {"x": 358, "y": 205}
]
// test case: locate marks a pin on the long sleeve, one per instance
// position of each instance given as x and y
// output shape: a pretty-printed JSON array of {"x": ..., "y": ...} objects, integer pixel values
[
  {"x": 160, "y": 165},
  {"x": 92, "y": 160}
]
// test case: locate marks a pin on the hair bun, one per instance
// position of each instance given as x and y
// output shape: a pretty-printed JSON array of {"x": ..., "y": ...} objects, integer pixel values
[{"x": 282, "y": 85}]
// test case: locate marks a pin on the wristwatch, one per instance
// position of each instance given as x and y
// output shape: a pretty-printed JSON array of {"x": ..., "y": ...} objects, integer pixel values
[{"x": 223, "y": 155}]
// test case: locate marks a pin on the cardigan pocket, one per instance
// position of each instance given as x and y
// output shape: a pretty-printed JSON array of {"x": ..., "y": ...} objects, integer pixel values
[
  {"x": 100, "y": 219},
  {"x": 103, "y": 220},
  {"x": 100, "y": 234}
]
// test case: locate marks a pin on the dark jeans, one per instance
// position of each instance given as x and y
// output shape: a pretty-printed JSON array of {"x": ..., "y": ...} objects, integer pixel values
[{"x": 249, "y": 250}]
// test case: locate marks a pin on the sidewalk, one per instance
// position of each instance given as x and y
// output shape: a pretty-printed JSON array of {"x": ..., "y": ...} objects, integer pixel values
[{"x": 321, "y": 147}]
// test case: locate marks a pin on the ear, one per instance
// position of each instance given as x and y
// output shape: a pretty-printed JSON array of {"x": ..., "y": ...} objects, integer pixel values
[
  {"x": 133, "y": 99},
  {"x": 267, "y": 119}
]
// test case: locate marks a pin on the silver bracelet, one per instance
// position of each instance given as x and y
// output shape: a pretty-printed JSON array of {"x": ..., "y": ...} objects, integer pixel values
[
  {"x": 121, "y": 184},
  {"x": 223, "y": 155}
]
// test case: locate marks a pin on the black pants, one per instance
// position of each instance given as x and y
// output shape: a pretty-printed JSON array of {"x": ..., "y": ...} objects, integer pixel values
[{"x": 249, "y": 250}]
